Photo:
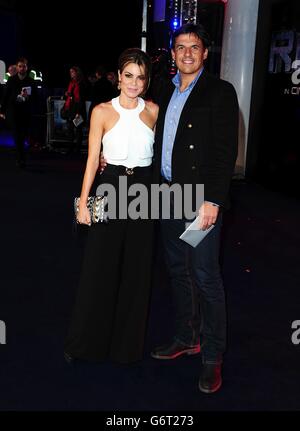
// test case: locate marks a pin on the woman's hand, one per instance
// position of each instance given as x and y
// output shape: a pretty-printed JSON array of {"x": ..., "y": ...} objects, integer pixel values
[{"x": 83, "y": 215}]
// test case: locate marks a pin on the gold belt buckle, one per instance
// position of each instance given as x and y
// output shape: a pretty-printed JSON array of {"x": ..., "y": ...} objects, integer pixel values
[{"x": 129, "y": 171}]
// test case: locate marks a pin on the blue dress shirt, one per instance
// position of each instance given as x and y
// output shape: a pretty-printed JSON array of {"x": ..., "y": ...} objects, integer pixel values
[{"x": 173, "y": 114}]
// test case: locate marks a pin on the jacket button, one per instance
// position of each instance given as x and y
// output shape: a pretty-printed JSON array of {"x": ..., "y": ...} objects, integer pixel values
[
  {"x": 192, "y": 147},
  {"x": 190, "y": 126}
]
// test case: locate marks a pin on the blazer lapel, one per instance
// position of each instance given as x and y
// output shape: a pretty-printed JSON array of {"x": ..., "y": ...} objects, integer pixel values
[
  {"x": 193, "y": 100},
  {"x": 163, "y": 106}
]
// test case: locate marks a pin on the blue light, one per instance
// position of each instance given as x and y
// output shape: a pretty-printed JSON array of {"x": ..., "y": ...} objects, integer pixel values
[
  {"x": 175, "y": 23},
  {"x": 6, "y": 140}
]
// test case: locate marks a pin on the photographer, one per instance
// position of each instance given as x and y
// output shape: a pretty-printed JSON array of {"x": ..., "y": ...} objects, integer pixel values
[{"x": 16, "y": 107}]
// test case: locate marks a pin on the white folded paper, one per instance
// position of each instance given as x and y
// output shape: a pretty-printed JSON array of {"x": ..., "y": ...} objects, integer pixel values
[
  {"x": 193, "y": 235},
  {"x": 28, "y": 90},
  {"x": 77, "y": 121}
]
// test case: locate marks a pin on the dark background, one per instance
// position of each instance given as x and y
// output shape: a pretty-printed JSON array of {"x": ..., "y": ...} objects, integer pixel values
[
  {"x": 58, "y": 34},
  {"x": 273, "y": 157}
]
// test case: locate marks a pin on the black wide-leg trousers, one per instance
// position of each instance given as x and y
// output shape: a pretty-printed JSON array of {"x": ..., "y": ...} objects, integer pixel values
[{"x": 111, "y": 309}]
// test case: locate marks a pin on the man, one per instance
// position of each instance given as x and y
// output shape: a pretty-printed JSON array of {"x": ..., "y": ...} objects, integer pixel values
[
  {"x": 196, "y": 143},
  {"x": 102, "y": 89},
  {"x": 17, "y": 105}
]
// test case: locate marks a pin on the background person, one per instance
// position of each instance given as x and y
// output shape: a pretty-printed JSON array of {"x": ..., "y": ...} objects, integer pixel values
[
  {"x": 75, "y": 108},
  {"x": 16, "y": 107}
]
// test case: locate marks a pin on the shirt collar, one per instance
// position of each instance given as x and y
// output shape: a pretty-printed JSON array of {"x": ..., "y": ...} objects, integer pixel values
[{"x": 177, "y": 80}]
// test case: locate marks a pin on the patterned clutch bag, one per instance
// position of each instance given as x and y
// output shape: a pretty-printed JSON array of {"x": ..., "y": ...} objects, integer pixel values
[{"x": 96, "y": 206}]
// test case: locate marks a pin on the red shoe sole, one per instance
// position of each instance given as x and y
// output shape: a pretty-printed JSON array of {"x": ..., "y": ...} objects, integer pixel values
[{"x": 188, "y": 352}]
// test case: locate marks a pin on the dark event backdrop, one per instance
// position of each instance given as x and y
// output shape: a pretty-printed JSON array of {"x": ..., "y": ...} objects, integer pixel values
[{"x": 59, "y": 34}]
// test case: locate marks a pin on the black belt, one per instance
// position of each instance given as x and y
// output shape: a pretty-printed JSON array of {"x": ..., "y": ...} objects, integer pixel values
[{"x": 123, "y": 170}]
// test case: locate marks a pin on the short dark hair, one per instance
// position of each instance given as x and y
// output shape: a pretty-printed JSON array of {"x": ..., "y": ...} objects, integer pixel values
[
  {"x": 100, "y": 69},
  {"x": 22, "y": 60},
  {"x": 197, "y": 29},
  {"x": 139, "y": 57}
]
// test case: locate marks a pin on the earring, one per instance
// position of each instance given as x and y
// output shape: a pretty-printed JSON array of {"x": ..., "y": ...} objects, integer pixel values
[{"x": 119, "y": 85}]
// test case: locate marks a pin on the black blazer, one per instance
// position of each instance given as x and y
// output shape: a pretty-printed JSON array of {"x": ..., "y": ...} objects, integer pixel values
[
  {"x": 206, "y": 143},
  {"x": 18, "y": 114}
]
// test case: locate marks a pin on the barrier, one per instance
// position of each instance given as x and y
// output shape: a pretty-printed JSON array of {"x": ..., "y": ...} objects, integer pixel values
[{"x": 57, "y": 132}]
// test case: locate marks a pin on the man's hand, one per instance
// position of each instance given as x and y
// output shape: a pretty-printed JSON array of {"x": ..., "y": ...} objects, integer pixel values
[
  {"x": 208, "y": 215},
  {"x": 2, "y": 116},
  {"x": 20, "y": 98},
  {"x": 103, "y": 163}
]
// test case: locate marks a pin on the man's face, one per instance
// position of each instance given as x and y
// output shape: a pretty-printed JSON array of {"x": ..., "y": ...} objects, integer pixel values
[
  {"x": 22, "y": 68},
  {"x": 189, "y": 54},
  {"x": 12, "y": 70}
]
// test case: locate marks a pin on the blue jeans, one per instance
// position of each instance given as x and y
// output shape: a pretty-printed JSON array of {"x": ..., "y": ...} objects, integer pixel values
[{"x": 197, "y": 289}]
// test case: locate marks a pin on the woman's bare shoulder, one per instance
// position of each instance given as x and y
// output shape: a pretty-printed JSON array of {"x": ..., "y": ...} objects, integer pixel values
[{"x": 103, "y": 108}]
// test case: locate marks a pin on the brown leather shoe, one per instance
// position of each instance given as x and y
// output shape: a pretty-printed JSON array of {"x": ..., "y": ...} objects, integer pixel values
[
  {"x": 174, "y": 350},
  {"x": 210, "y": 378}
]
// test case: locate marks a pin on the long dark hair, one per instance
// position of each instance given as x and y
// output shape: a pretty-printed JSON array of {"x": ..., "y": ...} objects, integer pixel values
[{"x": 79, "y": 73}]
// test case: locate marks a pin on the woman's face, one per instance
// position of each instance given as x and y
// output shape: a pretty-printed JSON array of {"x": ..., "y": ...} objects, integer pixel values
[
  {"x": 73, "y": 74},
  {"x": 132, "y": 80}
]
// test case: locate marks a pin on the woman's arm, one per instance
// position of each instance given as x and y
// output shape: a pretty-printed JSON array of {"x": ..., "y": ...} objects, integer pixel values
[{"x": 95, "y": 138}]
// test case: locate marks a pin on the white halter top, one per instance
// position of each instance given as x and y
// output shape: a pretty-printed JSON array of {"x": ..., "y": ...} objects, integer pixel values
[{"x": 130, "y": 141}]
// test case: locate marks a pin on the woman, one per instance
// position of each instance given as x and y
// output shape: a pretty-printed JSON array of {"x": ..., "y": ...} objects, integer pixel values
[
  {"x": 74, "y": 110},
  {"x": 110, "y": 313}
]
